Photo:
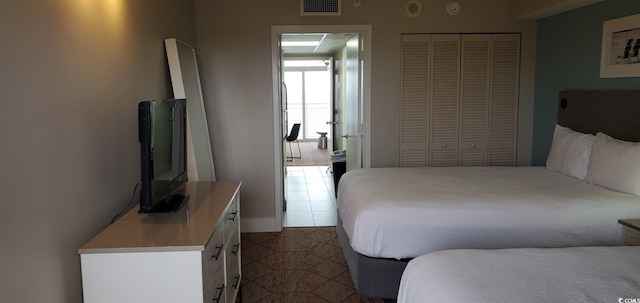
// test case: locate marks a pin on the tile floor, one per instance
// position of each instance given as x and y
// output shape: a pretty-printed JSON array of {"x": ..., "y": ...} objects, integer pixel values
[{"x": 310, "y": 197}]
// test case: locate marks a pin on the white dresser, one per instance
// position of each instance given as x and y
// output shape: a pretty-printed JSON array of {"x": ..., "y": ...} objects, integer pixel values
[{"x": 192, "y": 255}]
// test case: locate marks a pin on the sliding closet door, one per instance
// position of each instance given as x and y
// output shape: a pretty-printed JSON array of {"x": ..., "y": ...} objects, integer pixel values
[
  {"x": 430, "y": 100},
  {"x": 474, "y": 100},
  {"x": 459, "y": 99},
  {"x": 505, "y": 75},
  {"x": 414, "y": 126},
  {"x": 444, "y": 100}
]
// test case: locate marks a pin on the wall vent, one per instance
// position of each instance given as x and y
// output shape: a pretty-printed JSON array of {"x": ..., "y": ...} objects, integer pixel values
[{"x": 320, "y": 7}]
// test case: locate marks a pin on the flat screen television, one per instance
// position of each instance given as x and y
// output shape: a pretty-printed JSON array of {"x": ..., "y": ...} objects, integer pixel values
[{"x": 163, "y": 161}]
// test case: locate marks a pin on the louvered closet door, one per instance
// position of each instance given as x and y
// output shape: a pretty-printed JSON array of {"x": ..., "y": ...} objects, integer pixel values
[
  {"x": 414, "y": 128},
  {"x": 505, "y": 74},
  {"x": 444, "y": 97},
  {"x": 474, "y": 100},
  {"x": 459, "y": 99}
]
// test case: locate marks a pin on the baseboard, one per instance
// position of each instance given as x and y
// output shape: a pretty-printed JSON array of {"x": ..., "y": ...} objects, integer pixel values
[{"x": 257, "y": 225}]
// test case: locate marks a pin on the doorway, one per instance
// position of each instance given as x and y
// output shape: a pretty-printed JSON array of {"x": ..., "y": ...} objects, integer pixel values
[
  {"x": 357, "y": 46},
  {"x": 308, "y": 103}
]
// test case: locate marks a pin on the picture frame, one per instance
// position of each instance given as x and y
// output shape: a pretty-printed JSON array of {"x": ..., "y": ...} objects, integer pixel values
[{"x": 620, "y": 54}]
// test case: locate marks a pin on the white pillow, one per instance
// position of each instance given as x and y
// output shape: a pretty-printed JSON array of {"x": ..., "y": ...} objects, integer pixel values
[
  {"x": 570, "y": 151},
  {"x": 615, "y": 164}
]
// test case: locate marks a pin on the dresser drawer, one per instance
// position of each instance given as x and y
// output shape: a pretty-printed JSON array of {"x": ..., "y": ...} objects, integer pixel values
[
  {"x": 232, "y": 220},
  {"x": 213, "y": 265},
  {"x": 214, "y": 287},
  {"x": 233, "y": 265}
]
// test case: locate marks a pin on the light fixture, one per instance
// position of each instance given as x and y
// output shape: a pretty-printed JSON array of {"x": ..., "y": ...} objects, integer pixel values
[
  {"x": 413, "y": 8},
  {"x": 300, "y": 43}
]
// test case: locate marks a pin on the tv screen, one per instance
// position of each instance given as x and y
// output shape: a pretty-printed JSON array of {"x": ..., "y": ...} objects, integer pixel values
[{"x": 163, "y": 163}]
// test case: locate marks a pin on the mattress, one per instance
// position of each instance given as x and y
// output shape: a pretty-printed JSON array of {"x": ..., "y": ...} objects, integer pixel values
[
  {"x": 579, "y": 274},
  {"x": 407, "y": 212}
]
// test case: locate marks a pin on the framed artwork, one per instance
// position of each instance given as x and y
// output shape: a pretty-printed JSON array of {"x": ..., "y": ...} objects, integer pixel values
[{"x": 620, "y": 56}]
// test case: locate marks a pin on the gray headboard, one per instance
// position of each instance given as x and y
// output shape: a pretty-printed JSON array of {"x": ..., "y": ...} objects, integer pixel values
[{"x": 615, "y": 113}]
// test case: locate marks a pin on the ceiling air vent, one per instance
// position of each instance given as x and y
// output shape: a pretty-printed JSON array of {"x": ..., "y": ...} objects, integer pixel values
[{"x": 320, "y": 7}]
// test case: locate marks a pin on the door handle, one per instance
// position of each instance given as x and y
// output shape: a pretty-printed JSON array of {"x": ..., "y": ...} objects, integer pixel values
[
  {"x": 332, "y": 122},
  {"x": 347, "y": 136}
]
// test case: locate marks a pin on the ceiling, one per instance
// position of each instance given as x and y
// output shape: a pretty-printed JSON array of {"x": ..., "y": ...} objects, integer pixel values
[{"x": 300, "y": 44}]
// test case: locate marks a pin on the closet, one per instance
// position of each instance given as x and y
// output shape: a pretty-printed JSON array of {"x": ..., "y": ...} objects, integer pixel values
[{"x": 459, "y": 99}]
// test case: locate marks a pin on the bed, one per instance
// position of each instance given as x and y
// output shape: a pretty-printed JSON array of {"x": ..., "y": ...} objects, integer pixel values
[
  {"x": 578, "y": 274},
  {"x": 387, "y": 216}
]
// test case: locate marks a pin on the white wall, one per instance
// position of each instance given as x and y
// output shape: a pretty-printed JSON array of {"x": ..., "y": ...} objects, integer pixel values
[
  {"x": 72, "y": 74},
  {"x": 233, "y": 44}
]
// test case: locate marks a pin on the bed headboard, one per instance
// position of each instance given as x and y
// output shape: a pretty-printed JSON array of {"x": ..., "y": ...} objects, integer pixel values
[{"x": 615, "y": 113}]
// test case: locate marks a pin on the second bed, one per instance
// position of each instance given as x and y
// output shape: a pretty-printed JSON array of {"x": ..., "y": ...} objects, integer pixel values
[{"x": 576, "y": 274}]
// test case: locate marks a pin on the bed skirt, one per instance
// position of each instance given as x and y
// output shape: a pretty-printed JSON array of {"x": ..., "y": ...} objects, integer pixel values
[{"x": 373, "y": 277}]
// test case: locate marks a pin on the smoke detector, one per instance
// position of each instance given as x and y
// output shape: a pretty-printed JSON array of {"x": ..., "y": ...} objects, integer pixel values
[{"x": 453, "y": 8}]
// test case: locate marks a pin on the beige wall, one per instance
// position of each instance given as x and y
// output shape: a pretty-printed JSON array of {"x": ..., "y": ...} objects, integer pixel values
[
  {"x": 234, "y": 50},
  {"x": 72, "y": 74}
]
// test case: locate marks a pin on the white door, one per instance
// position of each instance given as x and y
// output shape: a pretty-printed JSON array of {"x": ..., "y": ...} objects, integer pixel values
[
  {"x": 284, "y": 114},
  {"x": 353, "y": 87}
]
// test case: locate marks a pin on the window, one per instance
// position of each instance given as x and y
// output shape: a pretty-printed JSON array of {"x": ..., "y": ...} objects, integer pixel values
[{"x": 309, "y": 92}]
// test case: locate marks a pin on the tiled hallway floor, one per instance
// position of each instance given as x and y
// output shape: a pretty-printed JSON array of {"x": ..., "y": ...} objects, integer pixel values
[{"x": 310, "y": 197}]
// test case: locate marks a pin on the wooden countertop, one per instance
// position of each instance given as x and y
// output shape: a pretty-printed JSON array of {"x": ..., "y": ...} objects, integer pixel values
[{"x": 187, "y": 229}]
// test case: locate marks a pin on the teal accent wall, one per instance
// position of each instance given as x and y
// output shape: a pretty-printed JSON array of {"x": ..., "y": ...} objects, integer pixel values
[{"x": 568, "y": 58}]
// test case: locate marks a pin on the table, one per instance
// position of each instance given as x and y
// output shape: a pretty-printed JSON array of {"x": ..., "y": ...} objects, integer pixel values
[{"x": 322, "y": 141}]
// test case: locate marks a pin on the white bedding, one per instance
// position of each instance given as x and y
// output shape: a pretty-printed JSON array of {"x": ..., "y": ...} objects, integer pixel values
[
  {"x": 579, "y": 274},
  {"x": 407, "y": 212}
]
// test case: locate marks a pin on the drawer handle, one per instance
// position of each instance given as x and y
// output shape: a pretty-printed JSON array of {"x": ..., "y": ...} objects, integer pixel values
[
  {"x": 220, "y": 292},
  {"x": 219, "y": 248},
  {"x": 473, "y": 145},
  {"x": 237, "y": 282},
  {"x": 444, "y": 146},
  {"x": 233, "y": 216},
  {"x": 235, "y": 249}
]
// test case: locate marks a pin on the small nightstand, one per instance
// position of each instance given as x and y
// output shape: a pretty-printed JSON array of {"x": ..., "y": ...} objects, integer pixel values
[{"x": 631, "y": 231}]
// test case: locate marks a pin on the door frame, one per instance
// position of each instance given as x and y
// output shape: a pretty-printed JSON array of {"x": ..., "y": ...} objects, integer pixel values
[{"x": 276, "y": 31}]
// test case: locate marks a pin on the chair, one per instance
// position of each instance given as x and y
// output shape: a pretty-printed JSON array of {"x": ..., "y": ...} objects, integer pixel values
[{"x": 293, "y": 136}]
